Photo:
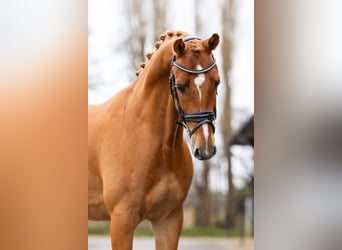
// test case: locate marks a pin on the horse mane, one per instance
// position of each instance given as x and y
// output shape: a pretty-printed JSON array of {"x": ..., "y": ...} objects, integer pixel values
[{"x": 167, "y": 36}]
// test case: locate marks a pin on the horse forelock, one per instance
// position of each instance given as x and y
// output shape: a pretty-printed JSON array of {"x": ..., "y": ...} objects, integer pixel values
[
  {"x": 195, "y": 46},
  {"x": 167, "y": 36}
]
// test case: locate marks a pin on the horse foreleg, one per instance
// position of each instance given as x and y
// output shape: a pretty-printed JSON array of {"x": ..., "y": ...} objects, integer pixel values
[
  {"x": 167, "y": 231},
  {"x": 122, "y": 226}
]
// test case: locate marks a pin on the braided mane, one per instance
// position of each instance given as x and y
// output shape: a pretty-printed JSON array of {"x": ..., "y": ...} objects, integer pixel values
[{"x": 167, "y": 36}]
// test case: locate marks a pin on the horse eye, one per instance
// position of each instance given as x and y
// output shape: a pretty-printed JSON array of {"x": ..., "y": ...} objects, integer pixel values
[{"x": 180, "y": 87}]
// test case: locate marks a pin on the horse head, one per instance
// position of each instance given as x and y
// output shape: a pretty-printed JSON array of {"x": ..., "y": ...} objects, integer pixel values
[{"x": 194, "y": 79}]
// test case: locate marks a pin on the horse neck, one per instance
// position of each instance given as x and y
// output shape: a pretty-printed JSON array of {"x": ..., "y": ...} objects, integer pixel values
[{"x": 153, "y": 102}]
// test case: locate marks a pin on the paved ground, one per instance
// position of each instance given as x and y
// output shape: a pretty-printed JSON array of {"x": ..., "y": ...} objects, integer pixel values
[{"x": 103, "y": 243}]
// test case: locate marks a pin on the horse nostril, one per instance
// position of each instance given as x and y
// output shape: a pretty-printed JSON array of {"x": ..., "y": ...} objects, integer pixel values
[
  {"x": 214, "y": 152},
  {"x": 197, "y": 153}
]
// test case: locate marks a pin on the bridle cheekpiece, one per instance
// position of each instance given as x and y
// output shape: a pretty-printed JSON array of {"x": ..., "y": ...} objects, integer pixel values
[{"x": 202, "y": 117}]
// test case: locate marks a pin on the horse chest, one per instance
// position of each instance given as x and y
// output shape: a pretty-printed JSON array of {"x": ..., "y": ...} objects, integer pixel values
[{"x": 165, "y": 196}]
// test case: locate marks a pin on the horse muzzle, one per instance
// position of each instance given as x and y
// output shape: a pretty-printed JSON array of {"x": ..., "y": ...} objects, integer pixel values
[
  {"x": 203, "y": 142},
  {"x": 204, "y": 153}
]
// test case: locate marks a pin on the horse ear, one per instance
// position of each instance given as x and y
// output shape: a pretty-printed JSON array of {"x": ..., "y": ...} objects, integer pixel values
[
  {"x": 179, "y": 47},
  {"x": 213, "y": 41}
]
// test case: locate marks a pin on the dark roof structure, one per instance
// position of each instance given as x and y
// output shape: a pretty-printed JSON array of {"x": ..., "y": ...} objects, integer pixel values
[{"x": 244, "y": 135}]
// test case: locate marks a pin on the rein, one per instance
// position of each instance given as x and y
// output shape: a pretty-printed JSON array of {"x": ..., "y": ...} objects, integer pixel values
[{"x": 200, "y": 118}]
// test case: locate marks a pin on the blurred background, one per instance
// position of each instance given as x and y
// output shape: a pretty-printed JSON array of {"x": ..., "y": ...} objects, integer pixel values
[
  {"x": 121, "y": 33},
  {"x": 298, "y": 99}
]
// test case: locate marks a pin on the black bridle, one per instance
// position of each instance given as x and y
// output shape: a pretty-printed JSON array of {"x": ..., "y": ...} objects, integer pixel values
[{"x": 198, "y": 117}]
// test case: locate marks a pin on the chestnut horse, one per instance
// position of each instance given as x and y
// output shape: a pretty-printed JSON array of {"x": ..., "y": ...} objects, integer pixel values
[{"x": 140, "y": 167}]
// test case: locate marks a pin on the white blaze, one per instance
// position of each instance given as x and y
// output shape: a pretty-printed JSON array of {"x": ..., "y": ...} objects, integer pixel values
[
  {"x": 206, "y": 133},
  {"x": 199, "y": 80}
]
